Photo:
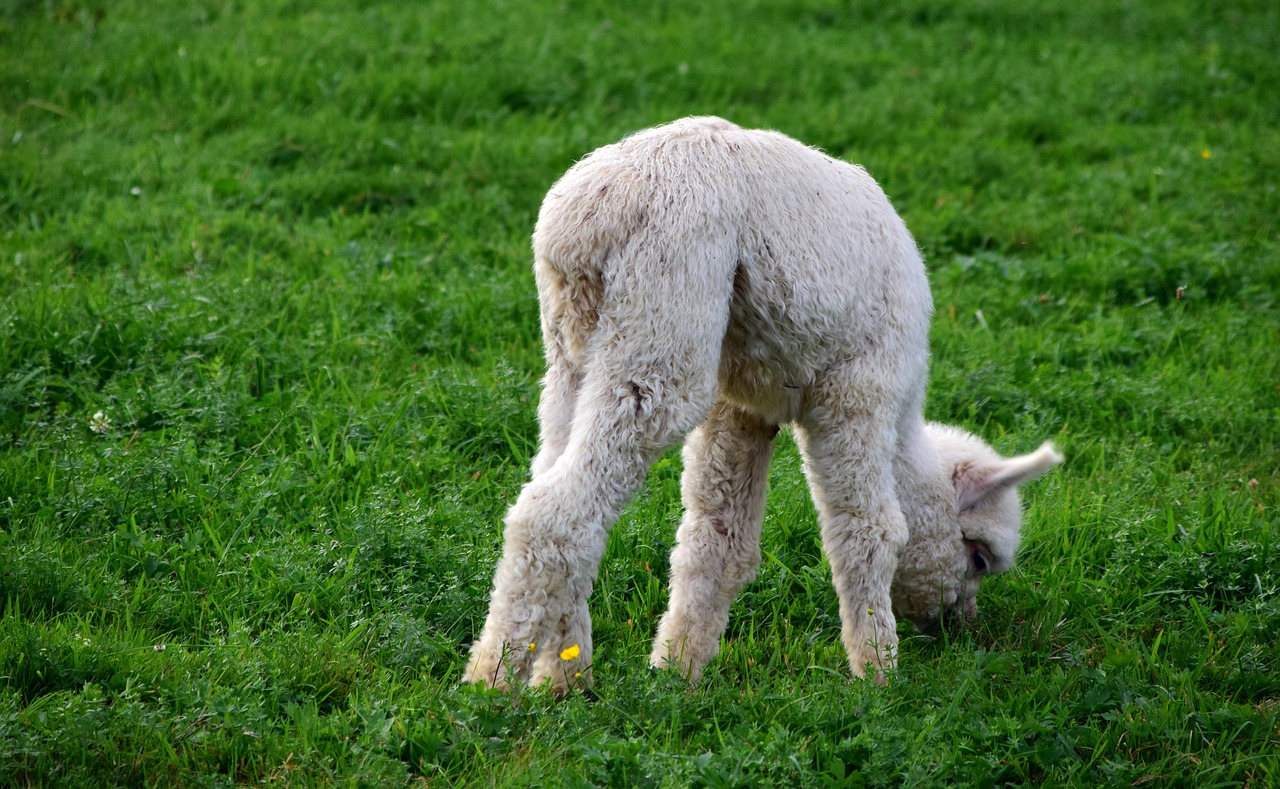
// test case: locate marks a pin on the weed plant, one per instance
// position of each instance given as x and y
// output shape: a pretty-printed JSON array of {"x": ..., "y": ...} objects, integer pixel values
[{"x": 269, "y": 357}]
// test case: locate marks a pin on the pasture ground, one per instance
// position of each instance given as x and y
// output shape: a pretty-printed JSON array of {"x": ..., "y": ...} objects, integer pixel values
[{"x": 269, "y": 362}]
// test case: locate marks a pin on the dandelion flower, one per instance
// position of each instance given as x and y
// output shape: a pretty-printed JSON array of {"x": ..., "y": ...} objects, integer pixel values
[
  {"x": 1206, "y": 154},
  {"x": 532, "y": 645},
  {"x": 570, "y": 653}
]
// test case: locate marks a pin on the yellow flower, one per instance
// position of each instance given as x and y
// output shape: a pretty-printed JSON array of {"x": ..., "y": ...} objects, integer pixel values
[
  {"x": 532, "y": 645},
  {"x": 570, "y": 653},
  {"x": 1206, "y": 154}
]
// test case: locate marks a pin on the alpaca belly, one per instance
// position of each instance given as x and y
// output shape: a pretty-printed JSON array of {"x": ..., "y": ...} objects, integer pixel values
[
  {"x": 762, "y": 381},
  {"x": 781, "y": 332}
]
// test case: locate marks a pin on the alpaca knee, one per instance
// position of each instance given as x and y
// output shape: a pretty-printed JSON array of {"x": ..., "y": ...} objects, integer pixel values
[{"x": 866, "y": 547}]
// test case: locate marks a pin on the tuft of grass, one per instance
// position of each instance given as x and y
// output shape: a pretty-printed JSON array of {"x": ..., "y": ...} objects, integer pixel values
[{"x": 269, "y": 358}]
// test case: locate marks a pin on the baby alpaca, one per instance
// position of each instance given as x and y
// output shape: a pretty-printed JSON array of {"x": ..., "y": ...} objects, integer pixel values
[{"x": 702, "y": 280}]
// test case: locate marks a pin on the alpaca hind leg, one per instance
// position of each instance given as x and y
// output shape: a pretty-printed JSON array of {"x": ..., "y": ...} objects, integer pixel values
[
  {"x": 556, "y": 405},
  {"x": 557, "y": 530},
  {"x": 618, "y": 432},
  {"x": 726, "y": 466},
  {"x": 562, "y": 337},
  {"x": 555, "y": 535},
  {"x": 649, "y": 377}
]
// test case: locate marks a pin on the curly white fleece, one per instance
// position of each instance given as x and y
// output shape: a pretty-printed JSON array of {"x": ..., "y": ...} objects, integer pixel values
[{"x": 702, "y": 280}]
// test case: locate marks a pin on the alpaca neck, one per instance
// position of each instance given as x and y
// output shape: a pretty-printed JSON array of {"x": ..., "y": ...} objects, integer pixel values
[{"x": 921, "y": 480}]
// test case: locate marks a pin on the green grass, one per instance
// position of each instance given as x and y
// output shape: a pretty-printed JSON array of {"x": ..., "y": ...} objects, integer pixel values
[{"x": 283, "y": 249}]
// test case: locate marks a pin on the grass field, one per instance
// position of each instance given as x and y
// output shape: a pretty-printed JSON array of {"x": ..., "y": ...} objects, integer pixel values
[{"x": 269, "y": 359}]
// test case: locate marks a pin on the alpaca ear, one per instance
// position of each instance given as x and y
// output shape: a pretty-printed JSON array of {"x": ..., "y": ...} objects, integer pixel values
[{"x": 975, "y": 483}]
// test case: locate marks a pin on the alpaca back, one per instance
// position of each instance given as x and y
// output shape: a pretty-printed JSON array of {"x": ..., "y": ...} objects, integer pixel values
[{"x": 821, "y": 265}]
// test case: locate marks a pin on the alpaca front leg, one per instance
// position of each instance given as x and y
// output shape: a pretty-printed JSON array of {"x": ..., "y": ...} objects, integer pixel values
[
  {"x": 726, "y": 465},
  {"x": 863, "y": 552},
  {"x": 848, "y": 457}
]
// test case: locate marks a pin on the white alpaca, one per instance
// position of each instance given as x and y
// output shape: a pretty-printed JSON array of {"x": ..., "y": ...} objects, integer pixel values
[{"x": 705, "y": 280}]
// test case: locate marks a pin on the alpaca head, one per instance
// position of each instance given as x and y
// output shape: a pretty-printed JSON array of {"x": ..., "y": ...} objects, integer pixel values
[{"x": 968, "y": 528}]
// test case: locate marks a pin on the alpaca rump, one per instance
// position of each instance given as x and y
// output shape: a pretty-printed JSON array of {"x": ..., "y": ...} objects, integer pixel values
[{"x": 705, "y": 282}]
